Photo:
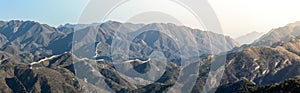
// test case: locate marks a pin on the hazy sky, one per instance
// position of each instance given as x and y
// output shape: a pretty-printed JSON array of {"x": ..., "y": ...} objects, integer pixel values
[
  {"x": 242, "y": 16},
  {"x": 237, "y": 17}
]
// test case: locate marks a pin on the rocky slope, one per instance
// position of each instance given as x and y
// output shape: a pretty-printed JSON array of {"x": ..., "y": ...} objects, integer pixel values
[
  {"x": 248, "y": 68},
  {"x": 258, "y": 65},
  {"x": 26, "y": 76}
]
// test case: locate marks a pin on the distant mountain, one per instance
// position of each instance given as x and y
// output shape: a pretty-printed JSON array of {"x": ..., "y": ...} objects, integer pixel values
[
  {"x": 36, "y": 57},
  {"x": 207, "y": 42},
  {"x": 189, "y": 41},
  {"x": 43, "y": 40},
  {"x": 282, "y": 34},
  {"x": 30, "y": 36},
  {"x": 249, "y": 38}
]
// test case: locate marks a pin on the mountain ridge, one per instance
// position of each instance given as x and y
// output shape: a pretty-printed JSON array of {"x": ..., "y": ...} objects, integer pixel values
[
  {"x": 29, "y": 56},
  {"x": 40, "y": 49},
  {"x": 281, "y": 34}
]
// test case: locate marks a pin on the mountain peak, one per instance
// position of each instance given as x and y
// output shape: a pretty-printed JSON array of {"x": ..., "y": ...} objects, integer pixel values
[{"x": 281, "y": 34}]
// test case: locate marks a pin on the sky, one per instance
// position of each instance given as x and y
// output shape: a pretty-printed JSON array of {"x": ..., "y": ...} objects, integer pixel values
[
  {"x": 52, "y": 12},
  {"x": 237, "y": 17}
]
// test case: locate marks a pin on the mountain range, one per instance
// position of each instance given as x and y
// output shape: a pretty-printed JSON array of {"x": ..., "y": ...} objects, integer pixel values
[{"x": 36, "y": 57}]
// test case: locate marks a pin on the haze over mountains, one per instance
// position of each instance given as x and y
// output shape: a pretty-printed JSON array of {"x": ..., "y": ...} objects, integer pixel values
[
  {"x": 281, "y": 34},
  {"x": 36, "y": 57},
  {"x": 249, "y": 37}
]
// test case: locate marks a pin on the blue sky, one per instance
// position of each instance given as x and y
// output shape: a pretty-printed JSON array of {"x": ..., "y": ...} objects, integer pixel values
[{"x": 53, "y": 12}]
